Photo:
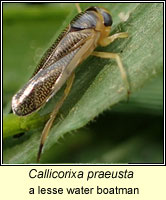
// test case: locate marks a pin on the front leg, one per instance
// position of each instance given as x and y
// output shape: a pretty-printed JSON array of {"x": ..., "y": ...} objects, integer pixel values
[{"x": 108, "y": 40}]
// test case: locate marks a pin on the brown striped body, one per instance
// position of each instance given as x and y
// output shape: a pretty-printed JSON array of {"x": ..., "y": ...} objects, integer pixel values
[{"x": 75, "y": 44}]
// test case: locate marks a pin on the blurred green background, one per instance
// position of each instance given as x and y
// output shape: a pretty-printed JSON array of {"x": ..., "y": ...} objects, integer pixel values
[{"x": 129, "y": 132}]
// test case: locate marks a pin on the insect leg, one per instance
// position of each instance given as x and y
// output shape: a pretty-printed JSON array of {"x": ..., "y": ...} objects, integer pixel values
[
  {"x": 119, "y": 63},
  {"x": 107, "y": 40},
  {"x": 78, "y": 7},
  {"x": 54, "y": 114}
]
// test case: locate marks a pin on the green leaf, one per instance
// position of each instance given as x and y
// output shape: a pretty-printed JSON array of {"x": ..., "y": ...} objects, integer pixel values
[{"x": 98, "y": 84}]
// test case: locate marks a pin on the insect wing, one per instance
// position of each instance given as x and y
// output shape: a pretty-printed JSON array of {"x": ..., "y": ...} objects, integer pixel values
[
  {"x": 39, "y": 88},
  {"x": 75, "y": 47},
  {"x": 70, "y": 39}
]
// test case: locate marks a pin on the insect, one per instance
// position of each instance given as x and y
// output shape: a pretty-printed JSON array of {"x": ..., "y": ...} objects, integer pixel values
[{"x": 86, "y": 31}]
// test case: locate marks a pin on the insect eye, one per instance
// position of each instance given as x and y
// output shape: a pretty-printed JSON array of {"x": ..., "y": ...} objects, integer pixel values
[{"x": 107, "y": 18}]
